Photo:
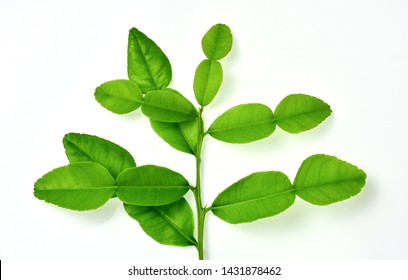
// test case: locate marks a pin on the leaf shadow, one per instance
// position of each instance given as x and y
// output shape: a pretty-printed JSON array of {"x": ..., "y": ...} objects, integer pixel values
[
  {"x": 132, "y": 117},
  {"x": 95, "y": 217}
]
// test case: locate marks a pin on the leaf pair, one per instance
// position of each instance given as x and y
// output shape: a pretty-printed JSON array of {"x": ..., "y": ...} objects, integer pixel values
[
  {"x": 148, "y": 69},
  {"x": 89, "y": 181},
  {"x": 216, "y": 44},
  {"x": 321, "y": 180},
  {"x": 99, "y": 169},
  {"x": 251, "y": 122}
]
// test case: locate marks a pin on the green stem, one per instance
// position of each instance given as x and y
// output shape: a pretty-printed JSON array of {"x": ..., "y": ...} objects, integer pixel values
[{"x": 201, "y": 211}]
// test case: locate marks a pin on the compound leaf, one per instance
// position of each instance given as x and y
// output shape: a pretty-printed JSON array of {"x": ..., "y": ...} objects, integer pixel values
[
  {"x": 171, "y": 224},
  {"x": 181, "y": 136},
  {"x": 78, "y": 186},
  {"x": 243, "y": 124},
  {"x": 119, "y": 96},
  {"x": 300, "y": 112},
  {"x": 147, "y": 65},
  {"x": 217, "y": 42},
  {"x": 323, "y": 179},
  {"x": 168, "y": 105},
  {"x": 207, "y": 81},
  {"x": 85, "y": 147},
  {"x": 150, "y": 185},
  {"x": 259, "y": 195}
]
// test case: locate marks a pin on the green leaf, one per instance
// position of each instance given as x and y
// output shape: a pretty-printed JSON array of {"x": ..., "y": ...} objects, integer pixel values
[
  {"x": 323, "y": 179},
  {"x": 259, "y": 195},
  {"x": 119, "y": 96},
  {"x": 300, "y": 112},
  {"x": 217, "y": 42},
  {"x": 243, "y": 124},
  {"x": 181, "y": 136},
  {"x": 84, "y": 147},
  {"x": 78, "y": 186},
  {"x": 207, "y": 81},
  {"x": 171, "y": 224},
  {"x": 147, "y": 65},
  {"x": 168, "y": 105},
  {"x": 151, "y": 185}
]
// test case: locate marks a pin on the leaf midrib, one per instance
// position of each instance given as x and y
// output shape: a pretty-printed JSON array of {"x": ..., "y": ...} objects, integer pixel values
[
  {"x": 240, "y": 126},
  {"x": 84, "y": 152},
  {"x": 76, "y": 189},
  {"x": 154, "y": 186},
  {"x": 252, "y": 200},
  {"x": 301, "y": 114},
  {"x": 168, "y": 109},
  {"x": 124, "y": 98},
  {"x": 174, "y": 225},
  {"x": 356, "y": 180},
  {"x": 186, "y": 139},
  {"x": 152, "y": 78}
]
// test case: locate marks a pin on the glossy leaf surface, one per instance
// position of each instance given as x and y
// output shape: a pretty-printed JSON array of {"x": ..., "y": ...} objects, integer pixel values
[
  {"x": 150, "y": 185},
  {"x": 323, "y": 179},
  {"x": 171, "y": 224},
  {"x": 207, "y": 81},
  {"x": 243, "y": 124},
  {"x": 78, "y": 186},
  {"x": 119, "y": 96},
  {"x": 85, "y": 147},
  {"x": 168, "y": 106},
  {"x": 300, "y": 112},
  {"x": 147, "y": 65},
  {"x": 181, "y": 136},
  {"x": 217, "y": 42},
  {"x": 259, "y": 195}
]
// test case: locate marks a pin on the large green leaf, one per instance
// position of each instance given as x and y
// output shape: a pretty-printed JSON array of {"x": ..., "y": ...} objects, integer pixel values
[
  {"x": 300, "y": 112},
  {"x": 207, "y": 81},
  {"x": 323, "y": 179},
  {"x": 181, "y": 136},
  {"x": 259, "y": 195},
  {"x": 243, "y": 124},
  {"x": 168, "y": 105},
  {"x": 78, "y": 186},
  {"x": 84, "y": 147},
  {"x": 119, "y": 96},
  {"x": 217, "y": 42},
  {"x": 147, "y": 65},
  {"x": 151, "y": 185},
  {"x": 171, "y": 224}
]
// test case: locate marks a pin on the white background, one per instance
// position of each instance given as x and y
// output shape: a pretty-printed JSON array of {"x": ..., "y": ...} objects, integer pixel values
[{"x": 353, "y": 54}]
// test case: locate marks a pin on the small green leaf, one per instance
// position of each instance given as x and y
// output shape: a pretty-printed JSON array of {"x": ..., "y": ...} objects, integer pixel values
[
  {"x": 171, "y": 224},
  {"x": 243, "y": 124},
  {"x": 151, "y": 185},
  {"x": 84, "y": 147},
  {"x": 119, "y": 96},
  {"x": 323, "y": 179},
  {"x": 168, "y": 105},
  {"x": 217, "y": 42},
  {"x": 147, "y": 65},
  {"x": 300, "y": 112},
  {"x": 181, "y": 136},
  {"x": 259, "y": 195},
  {"x": 207, "y": 81},
  {"x": 78, "y": 186}
]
